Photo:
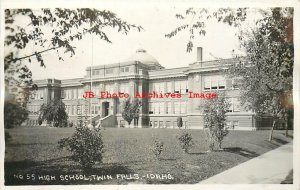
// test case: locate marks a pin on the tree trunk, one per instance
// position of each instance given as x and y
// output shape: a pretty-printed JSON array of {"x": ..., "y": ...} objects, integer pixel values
[{"x": 272, "y": 130}]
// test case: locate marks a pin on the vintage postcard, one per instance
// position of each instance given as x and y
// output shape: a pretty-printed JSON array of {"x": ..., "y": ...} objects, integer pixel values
[{"x": 147, "y": 95}]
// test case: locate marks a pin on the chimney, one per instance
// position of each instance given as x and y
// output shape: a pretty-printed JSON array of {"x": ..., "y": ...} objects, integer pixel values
[{"x": 199, "y": 54}]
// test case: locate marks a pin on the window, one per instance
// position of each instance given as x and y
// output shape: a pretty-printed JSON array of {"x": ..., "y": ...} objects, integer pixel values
[
  {"x": 151, "y": 110},
  {"x": 169, "y": 87},
  {"x": 177, "y": 107},
  {"x": 234, "y": 105},
  {"x": 214, "y": 83},
  {"x": 95, "y": 72},
  {"x": 124, "y": 69},
  {"x": 181, "y": 87},
  {"x": 168, "y": 107},
  {"x": 95, "y": 109},
  {"x": 180, "y": 107},
  {"x": 161, "y": 108},
  {"x": 75, "y": 93},
  {"x": 156, "y": 107},
  {"x": 80, "y": 93},
  {"x": 124, "y": 88},
  {"x": 183, "y": 107},
  {"x": 109, "y": 88},
  {"x": 159, "y": 87},
  {"x": 68, "y": 94},
  {"x": 96, "y": 89},
  {"x": 109, "y": 71}
]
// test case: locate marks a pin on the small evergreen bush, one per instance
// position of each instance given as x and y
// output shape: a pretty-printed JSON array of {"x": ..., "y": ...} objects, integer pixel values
[
  {"x": 86, "y": 146},
  {"x": 157, "y": 148},
  {"x": 185, "y": 140}
]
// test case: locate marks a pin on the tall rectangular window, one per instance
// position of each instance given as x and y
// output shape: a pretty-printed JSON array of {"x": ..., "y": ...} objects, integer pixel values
[
  {"x": 177, "y": 107},
  {"x": 168, "y": 107},
  {"x": 177, "y": 87},
  {"x": 181, "y": 87},
  {"x": 183, "y": 107},
  {"x": 109, "y": 71},
  {"x": 161, "y": 108},
  {"x": 156, "y": 107},
  {"x": 158, "y": 87},
  {"x": 169, "y": 87},
  {"x": 124, "y": 88},
  {"x": 214, "y": 83},
  {"x": 75, "y": 93},
  {"x": 151, "y": 109},
  {"x": 109, "y": 88},
  {"x": 80, "y": 93},
  {"x": 124, "y": 69}
]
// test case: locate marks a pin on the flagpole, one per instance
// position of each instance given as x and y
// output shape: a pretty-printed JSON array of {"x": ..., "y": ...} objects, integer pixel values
[{"x": 91, "y": 74}]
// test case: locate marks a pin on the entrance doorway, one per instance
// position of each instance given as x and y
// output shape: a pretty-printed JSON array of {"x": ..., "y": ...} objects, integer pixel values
[{"x": 105, "y": 109}]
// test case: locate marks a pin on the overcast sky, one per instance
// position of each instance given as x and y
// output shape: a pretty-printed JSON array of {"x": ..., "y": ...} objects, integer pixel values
[{"x": 219, "y": 41}]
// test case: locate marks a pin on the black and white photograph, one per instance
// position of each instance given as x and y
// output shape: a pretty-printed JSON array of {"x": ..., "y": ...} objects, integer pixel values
[{"x": 150, "y": 93}]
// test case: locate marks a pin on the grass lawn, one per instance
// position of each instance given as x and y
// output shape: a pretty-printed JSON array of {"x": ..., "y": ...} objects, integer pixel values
[{"x": 33, "y": 151}]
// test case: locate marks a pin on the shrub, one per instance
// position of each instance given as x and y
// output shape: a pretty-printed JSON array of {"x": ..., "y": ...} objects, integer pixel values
[
  {"x": 71, "y": 124},
  {"x": 86, "y": 146},
  {"x": 157, "y": 148},
  {"x": 185, "y": 140},
  {"x": 179, "y": 122}
]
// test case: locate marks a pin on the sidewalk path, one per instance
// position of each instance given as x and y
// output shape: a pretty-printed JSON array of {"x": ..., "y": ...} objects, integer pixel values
[{"x": 269, "y": 168}]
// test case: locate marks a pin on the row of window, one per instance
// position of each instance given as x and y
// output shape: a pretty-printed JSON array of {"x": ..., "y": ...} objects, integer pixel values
[
  {"x": 72, "y": 93},
  {"x": 82, "y": 110},
  {"x": 179, "y": 87},
  {"x": 108, "y": 71},
  {"x": 178, "y": 107}
]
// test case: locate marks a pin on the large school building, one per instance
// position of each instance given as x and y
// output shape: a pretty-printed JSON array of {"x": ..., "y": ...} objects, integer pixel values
[{"x": 164, "y": 94}]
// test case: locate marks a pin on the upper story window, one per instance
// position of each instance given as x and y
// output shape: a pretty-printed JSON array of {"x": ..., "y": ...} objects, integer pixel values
[
  {"x": 169, "y": 87},
  {"x": 109, "y": 71},
  {"x": 235, "y": 105},
  {"x": 181, "y": 87},
  {"x": 214, "y": 83},
  {"x": 109, "y": 88},
  {"x": 158, "y": 87},
  {"x": 124, "y": 88},
  {"x": 124, "y": 69},
  {"x": 95, "y": 72}
]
